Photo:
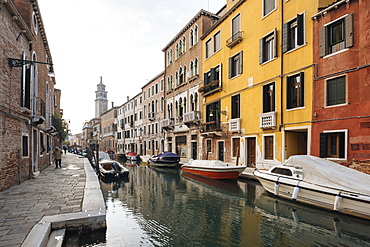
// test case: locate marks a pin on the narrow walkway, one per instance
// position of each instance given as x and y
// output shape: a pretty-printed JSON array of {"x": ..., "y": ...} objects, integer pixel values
[{"x": 54, "y": 192}]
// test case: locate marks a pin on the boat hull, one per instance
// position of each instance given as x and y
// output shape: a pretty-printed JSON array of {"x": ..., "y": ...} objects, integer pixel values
[
  {"x": 163, "y": 164},
  {"x": 328, "y": 198},
  {"x": 229, "y": 173}
]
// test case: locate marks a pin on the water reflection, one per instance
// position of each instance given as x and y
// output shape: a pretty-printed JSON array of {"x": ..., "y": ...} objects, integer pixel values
[{"x": 162, "y": 207}]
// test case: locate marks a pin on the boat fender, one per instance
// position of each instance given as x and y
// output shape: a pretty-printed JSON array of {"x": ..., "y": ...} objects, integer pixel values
[
  {"x": 337, "y": 202},
  {"x": 276, "y": 189},
  {"x": 295, "y": 193}
]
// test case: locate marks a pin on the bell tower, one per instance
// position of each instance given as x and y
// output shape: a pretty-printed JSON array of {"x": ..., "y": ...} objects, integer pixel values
[{"x": 101, "y": 101}]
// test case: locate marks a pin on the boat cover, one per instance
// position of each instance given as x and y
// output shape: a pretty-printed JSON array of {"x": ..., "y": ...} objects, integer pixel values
[
  {"x": 330, "y": 174},
  {"x": 167, "y": 155}
]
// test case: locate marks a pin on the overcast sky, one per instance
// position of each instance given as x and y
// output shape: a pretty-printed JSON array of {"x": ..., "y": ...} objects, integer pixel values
[{"x": 120, "y": 40}]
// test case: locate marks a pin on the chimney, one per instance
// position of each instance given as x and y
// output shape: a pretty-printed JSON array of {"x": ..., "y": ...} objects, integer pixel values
[
  {"x": 128, "y": 98},
  {"x": 112, "y": 104}
]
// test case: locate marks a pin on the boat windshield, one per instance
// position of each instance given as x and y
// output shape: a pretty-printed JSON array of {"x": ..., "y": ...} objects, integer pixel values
[{"x": 282, "y": 171}]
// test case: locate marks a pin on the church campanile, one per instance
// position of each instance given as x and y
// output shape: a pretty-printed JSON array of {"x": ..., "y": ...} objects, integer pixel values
[{"x": 101, "y": 101}]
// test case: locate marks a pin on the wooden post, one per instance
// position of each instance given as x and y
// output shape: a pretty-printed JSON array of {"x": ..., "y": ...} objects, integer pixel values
[{"x": 237, "y": 157}]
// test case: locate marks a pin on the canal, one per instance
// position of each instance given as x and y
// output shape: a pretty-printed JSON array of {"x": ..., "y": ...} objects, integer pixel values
[{"x": 163, "y": 207}]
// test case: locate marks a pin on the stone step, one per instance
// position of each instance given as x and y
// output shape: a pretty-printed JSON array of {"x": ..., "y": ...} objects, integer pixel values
[{"x": 56, "y": 238}]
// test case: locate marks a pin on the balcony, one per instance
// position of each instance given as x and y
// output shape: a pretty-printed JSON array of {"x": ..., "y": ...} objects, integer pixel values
[
  {"x": 211, "y": 88},
  {"x": 234, "y": 125},
  {"x": 211, "y": 128},
  {"x": 168, "y": 123},
  {"x": 268, "y": 120},
  {"x": 235, "y": 39},
  {"x": 192, "y": 117},
  {"x": 39, "y": 111},
  {"x": 151, "y": 116}
]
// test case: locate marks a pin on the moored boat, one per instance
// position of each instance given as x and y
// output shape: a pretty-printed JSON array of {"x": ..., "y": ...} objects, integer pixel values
[
  {"x": 132, "y": 156},
  {"x": 319, "y": 182},
  {"x": 110, "y": 168},
  {"x": 164, "y": 159},
  {"x": 215, "y": 169}
]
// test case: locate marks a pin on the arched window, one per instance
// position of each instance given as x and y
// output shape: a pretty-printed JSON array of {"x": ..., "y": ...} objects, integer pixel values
[
  {"x": 195, "y": 34},
  {"x": 184, "y": 44},
  {"x": 181, "y": 76},
  {"x": 192, "y": 103},
  {"x": 192, "y": 69},
  {"x": 153, "y": 107},
  {"x": 177, "y": 78},
  {"x": 177, "y": 51},
  {"x": 184, "y": 73},
  {"x": 184, "y": 106},
  {"x": 196, "y": 108},
  {"x": 191, "y": 37},
  {"x": 196, "y": 72},
  {"x": 162, "y": 104}
]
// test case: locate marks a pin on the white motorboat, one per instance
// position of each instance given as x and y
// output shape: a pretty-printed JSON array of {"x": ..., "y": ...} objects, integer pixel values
[
  {"x": 110, "y": 168},
  {"x": 215, "y": 169},
  {"x": 319, "y": 182}
]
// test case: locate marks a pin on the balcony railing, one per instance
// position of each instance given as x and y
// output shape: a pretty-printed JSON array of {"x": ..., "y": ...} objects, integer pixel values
[
  {"x": 210, "y": 88},
  {"x": 268, "y": 120},
  {"x": 167, "y": 123},
  {"x": 39, "y": 111},
  {"x": 234, "y": 124},
  {"x": 151, "y": 116},
  {"x": 191, "y": 117},
  {"x": 211, "y": 126},
  {"x": 235, "y": 39}
]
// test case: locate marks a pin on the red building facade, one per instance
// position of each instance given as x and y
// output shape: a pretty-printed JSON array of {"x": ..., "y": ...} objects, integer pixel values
[{"x": 341, "y": 107}]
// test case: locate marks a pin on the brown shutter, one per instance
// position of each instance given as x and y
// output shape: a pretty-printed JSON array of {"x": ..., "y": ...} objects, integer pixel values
[
  {"x": 275, "y": 43},
  {"x": 322, "y": 41},
  {"x": 230, "y": 66},
  {"x": 300, "y": 26},
  {"x": 261, "y": 52},
  {"x": 348, "y": 20},
  {"x": 241, "y": 62},
  {"x": 285, "y": 37}
]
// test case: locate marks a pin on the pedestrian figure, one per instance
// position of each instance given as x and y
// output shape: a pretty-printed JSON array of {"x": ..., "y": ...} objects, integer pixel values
[
  {"x": 57, "y": 155},
  {"x": 65, "y": 149}
]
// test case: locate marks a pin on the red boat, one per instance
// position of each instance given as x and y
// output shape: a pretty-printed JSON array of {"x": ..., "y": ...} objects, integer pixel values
[
  {"x": 132, "y": 156},
  {"x": 215, "y": 169}
]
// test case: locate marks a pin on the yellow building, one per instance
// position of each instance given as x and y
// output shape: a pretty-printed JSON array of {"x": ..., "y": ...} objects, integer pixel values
[{"x": 258, "y": 74}]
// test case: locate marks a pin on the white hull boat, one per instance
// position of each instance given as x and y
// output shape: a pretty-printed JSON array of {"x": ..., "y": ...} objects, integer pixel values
[
  {"x": 214, "y": 169},
  {"x": 319, "y": 182}
]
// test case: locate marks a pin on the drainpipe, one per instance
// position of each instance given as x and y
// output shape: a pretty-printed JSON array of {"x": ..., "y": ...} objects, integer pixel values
[{"x": 281, "y": 70}]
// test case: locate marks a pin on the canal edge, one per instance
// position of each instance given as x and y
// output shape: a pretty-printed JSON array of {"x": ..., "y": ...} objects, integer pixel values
[{"x": 91, "y": 218}]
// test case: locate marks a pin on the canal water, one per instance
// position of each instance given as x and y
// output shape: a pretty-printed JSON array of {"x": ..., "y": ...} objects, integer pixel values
[{"x": 165, "y": 207}]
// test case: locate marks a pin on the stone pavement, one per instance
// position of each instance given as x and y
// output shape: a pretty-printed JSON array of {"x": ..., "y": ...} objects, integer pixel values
[{"x": 54, "y": 192}]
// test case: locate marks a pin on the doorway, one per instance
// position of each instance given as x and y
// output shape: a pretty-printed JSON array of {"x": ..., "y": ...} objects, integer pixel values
[
  {"x": 251, "y": 151},
  {"x": 220, "y": 150}
]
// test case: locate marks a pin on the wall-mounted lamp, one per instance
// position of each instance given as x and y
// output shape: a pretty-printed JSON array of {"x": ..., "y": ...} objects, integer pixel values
[
  {"x": 13, "y": 62},
  {"x": 222, "y": 112},
  {"x": 19, "y": 35}
]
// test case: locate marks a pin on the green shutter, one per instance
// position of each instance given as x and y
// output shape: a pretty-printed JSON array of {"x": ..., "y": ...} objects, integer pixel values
[
  {"x": 341, "y": 90},
  {"x": 323, "y": 145}
]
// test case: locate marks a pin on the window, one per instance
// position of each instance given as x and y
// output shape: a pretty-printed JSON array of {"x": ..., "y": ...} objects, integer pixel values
[
  {"x": 26, "y": 87},
  {"x": 336, "y": 36},
  {"x": 25, "y": 145},
  {"x": 191, "y": 37},
  {"x": 216, "y": 42},
  {"x": 268, "y": 147},
  {"x": 269, "y": 97},
  {"x": 42, "y": 146},
  {"x": 293, "y": 33},
  {"x": 332, "y": 144},
  {"x": 236, "y": 147},
  {"x": 295, "y": 91},
  {"x": 162, "y": 85},
  {"x": 212, "y": 79},
  {"x": 268, "y": 47},
  {"x": 235, "y": 26},
  {"x": 336, "y": 91},
  {"x": 268, "y": 6},
  {"x": 208, "y": 48},
  {"x": 209, "y": 146},
  {"x": 236, "y": 65},
  {"x": 235, "y": 106}
]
